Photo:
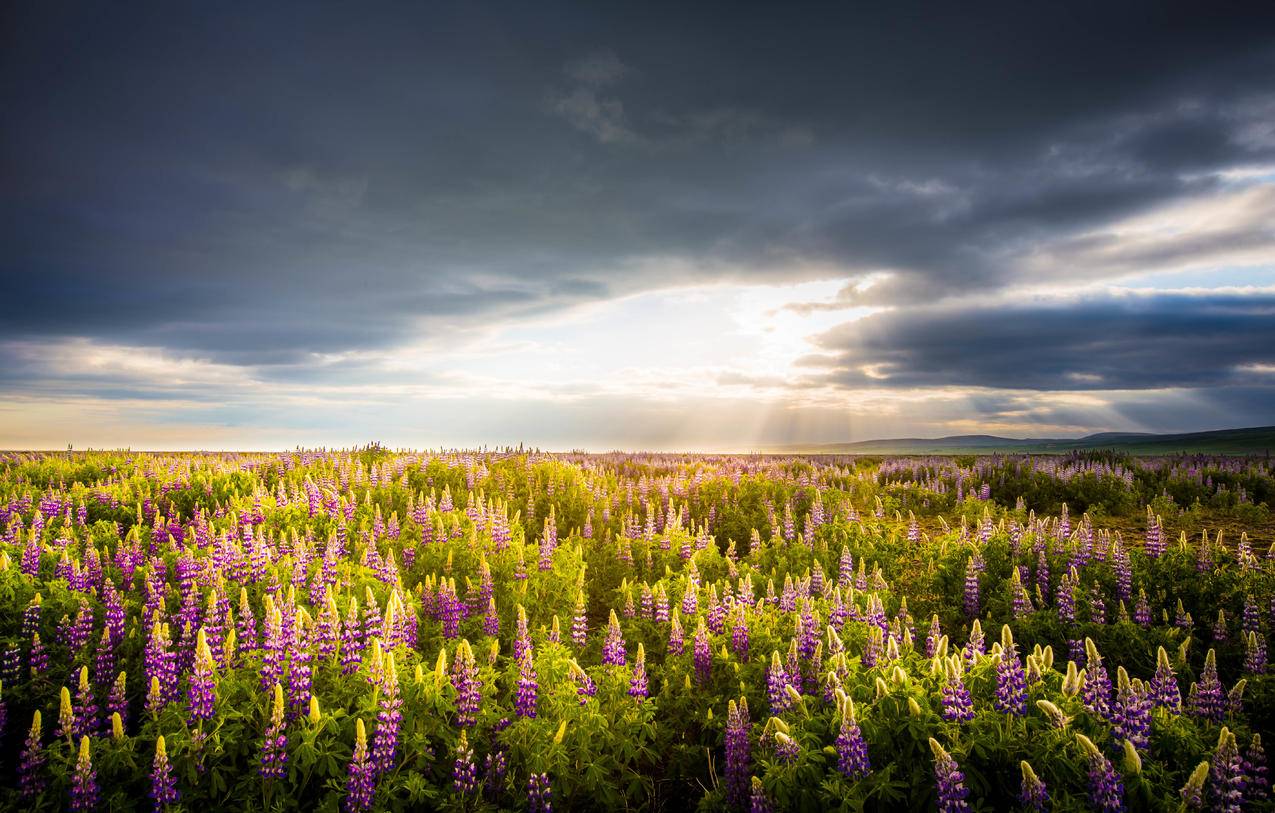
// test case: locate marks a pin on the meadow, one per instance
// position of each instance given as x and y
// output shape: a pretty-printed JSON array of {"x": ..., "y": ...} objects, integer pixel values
[{"x": 368, "y": 629}]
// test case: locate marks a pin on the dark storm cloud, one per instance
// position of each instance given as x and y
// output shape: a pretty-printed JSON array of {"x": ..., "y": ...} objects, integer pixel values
[
  {"x": 1100, "y": 343},
  {"x": 255, "y": 184}
]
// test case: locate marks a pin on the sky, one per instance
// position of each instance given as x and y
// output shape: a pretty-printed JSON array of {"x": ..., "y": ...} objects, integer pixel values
[{"x": 632, "y": 226}]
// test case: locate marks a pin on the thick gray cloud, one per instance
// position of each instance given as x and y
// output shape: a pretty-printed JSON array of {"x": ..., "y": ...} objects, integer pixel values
[
  {"x": 1144, "y": 341},
  {"x": 255, "y": 184}
]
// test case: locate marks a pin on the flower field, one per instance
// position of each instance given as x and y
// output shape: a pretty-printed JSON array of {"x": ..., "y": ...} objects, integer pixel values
[{"x": 375, "y": 630}]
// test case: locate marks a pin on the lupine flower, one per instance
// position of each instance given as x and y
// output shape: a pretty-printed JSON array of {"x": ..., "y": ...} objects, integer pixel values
[
  {"x": 579, "y": 622},
  {"x": 464, "y": 772},
  {"x": 1255, "y": 770},
  {"x": 390, "y": 718},
  {"x": 1226, "y": 775},
  {"x": 676, "y": 638},
  {"x": 852, "y": 750},
  {"x": 274, "y": 748},
  {"x": 163, "y": 784},
  {"x": 585, "y": 687},
  {"x": 84, "y": 787},
  {"x": 949, "y": 781},
  {"x": 1192, "y": 792},
  {"x": 362, "y": 780},
  {"x": 202, "y": 682},
  {"x": 468, "y": 686},
  {"x": 87, "y": 714},
  {"x": 1131, "y": 715},
  {"x": 777, "y": 682},
  {"x": 758, "y": 801},
  {"x": 1106, "y": 788},
  {"x": 786, "y": 748},
  {"x": 613, "y": 647},
  {"x": 958, "y": 706},
  {"x": 539, "y": 794},
  {"x": 31, "y": 778},
  {"x": 971, "y": 588},
  {"x": 702, "y": 654},
  {"x": 738, "y": 756},
  {"x": 638, "y": 687},
  {"x": 525, "y": 696},
  {"x": 66, "y": 716},
  {"x": 1032, "y": 794},
  {"x": 1164, "y": 684},
  {"x": 1210, "y": 698},
  {"x": 1011, "y": 681},
  {"x": 1097, "y": 690}
]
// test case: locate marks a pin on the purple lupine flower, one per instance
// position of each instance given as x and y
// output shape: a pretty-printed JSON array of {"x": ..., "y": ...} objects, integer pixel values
[
  {"x": 389, "y": 719},
  {"x": 1255, "y": 653},
  {"x": 526, "y": 694},
  {"x": 613, "y": 646},
  {"x": 163, "y": 784},
  {"x": 300, "y": 672},
  {"x": 84, "y": 788},
  {"x": 31, "y": 778},
  {"x": 1255, "y": 770},
  {"x": 579, "y": 621},
  {"x": 585, "y": 687},
  {"x": 522, "y": 638},
  {"x": 971, "y": 589},
  {"x": 117, "y": 700},
  {"x": 702, "y": 654},
  {"x": 777, "y": 681},
  {"x": 1164, "y": 684},
  {"x": 738, "y": 756},
  {"x": 1131, "y": 715},
  {"x": 1142, "y": 610},
  {"x": 539, "y": 793},
  {"x": 87, "y": 714},
  {"x": 1226, "y": 775},
  {"x": 464, "y": 772},
  {"x": 739, "y": 634},
  {"x": 1011, "y": 680},
  {"x": 932, "y": 639},
  {"x": 676, "y": 637},
  {"x": 491, "y": 621},
  {"x": 351, "y": 639},
  {"x": 638, "y": 687},
  {"x": 958, "y": 706},
  {"x": 1192, "y": 792},
  {"x": 852, "y": 749},
  {"x": 1210, "y": 698},
  {"x": 495, "y": 766},
  {"x": 1032, "y": 794},
  {"x": 949, "y": 781},
  {"x": 787, "y": 749},
  {"x": 361, "y": 783},
  {"x": 274, "y": 748},
  {"x": 1096, "y": 695},
  {"x": 467, "y": 684},
  {"x": 202, "y": 682},
  {"x": 1106, "y": 787},
  {"x": 758, "y": 801},
  {"x": 1154, "y": 545},
  {"x": 1065, "y": 601}
]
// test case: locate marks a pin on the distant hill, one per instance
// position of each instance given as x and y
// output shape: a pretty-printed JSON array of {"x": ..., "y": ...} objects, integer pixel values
[{"x": 1257, "y": 440}]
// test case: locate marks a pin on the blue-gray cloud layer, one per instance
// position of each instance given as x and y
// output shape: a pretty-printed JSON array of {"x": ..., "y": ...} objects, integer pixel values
[{"x": 254, "y": 184}]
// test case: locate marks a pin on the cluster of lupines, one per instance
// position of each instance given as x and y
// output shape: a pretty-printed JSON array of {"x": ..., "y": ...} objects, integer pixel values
[{"x": 319, "y": 573}]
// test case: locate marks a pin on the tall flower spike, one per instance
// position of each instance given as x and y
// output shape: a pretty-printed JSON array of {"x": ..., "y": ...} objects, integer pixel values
[
  {"x": 738, "y": 755},
  {"x": 467, "y": 685},
  {"x": 1226, "y": 775},
  {"x": 1033, "y": 794},
  {"x": 1106, "y": 788},
  {"x": 525, "y": 697},
  {"x": 361, "y": 783},
  {"x": 274, "y": 748},
  {"x": 31, "y": 778},
  {"x": 464, "y": 771},
  {"x": 852, "y": 750},
  {"x": 163, "y": 784},
  {"x": 389, "y": 720},
  {"x": 84, "y": 787},
  {"x": 949, "y": 781},
  {"x": 638, "y": 686},
  {"x": 202, "y": 692}
]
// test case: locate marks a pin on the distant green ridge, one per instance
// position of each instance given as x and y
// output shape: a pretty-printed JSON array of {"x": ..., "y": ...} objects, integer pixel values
[{"x": 1258, "y": 440}]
